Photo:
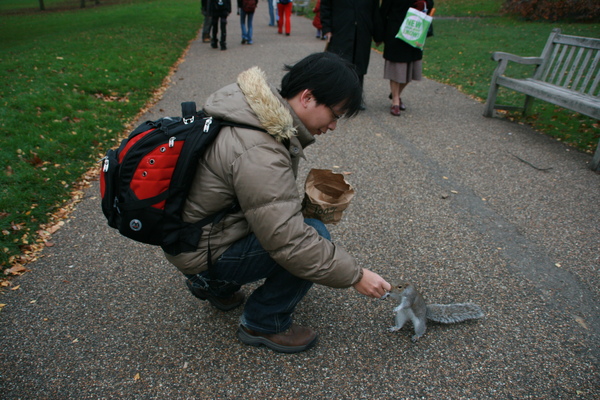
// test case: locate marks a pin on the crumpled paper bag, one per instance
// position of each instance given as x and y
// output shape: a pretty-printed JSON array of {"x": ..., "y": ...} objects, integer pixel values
[{"x": 327, "y": 195}]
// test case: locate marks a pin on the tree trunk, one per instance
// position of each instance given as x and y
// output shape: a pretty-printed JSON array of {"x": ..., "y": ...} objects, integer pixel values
[
  {"x": 42, "y": 7},
  {"x": 82, "y": 3}
]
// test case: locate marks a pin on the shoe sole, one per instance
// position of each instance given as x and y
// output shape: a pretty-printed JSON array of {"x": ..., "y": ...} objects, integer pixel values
[{"x": 257, "y": 341}]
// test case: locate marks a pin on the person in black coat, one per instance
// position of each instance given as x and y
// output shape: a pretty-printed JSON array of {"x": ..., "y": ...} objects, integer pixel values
[
  {"x": 219, "y": 10},
  {"x": 349, "y": 26},
  {"x": 402, "y": 61}
]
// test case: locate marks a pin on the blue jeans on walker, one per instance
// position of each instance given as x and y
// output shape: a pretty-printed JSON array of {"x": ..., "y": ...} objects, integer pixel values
[
  {"x": 271, "y": 13},
  {"x": 269, "y": 309},
  {"x": 246, "y": 23}
]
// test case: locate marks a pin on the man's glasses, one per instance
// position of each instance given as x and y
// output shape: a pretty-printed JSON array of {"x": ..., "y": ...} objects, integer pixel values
[{"x": 335, "y": 116}]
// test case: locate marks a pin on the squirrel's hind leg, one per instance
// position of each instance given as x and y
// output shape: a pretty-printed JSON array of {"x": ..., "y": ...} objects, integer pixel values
[{"x": 420, "y": 327}]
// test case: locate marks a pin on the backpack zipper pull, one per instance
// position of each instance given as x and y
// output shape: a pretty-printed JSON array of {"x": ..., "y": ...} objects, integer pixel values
[
  {"x": 172, "y": 141},
  {"x": 207, "y": 124},
  {"x": 105, "y": 166}
]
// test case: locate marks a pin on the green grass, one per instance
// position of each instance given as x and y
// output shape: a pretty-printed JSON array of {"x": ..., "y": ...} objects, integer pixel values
[
  {"x": 70, "y": 82},
  {"x": 467, "y": 8}
]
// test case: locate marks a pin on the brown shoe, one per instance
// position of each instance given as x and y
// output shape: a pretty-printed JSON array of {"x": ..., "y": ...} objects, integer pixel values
[
  {"x": 402, "y": 106},
  {"x": 222, "y": 303},
  {"x": 395, "y": 110},
  {"x": 296, "y": 339}
]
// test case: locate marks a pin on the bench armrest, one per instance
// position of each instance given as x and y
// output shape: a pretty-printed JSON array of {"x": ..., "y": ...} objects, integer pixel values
[
  {"x": 504, "y": 58},
  {"x": 501, "y": 56}
]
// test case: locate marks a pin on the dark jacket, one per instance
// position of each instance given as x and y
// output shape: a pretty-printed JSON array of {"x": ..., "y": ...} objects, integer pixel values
[
  {"x": 217, "y": 10},
  {"x": 353, "y": 24},
  {"x": 392, "y": 14}
]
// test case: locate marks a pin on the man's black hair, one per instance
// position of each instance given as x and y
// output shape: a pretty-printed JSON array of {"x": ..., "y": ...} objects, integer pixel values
[{"x": 332, "y": 80}]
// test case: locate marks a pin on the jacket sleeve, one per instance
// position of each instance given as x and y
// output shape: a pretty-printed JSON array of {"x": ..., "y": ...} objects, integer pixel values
[
  {"x": 326, "y": 16},
  {"x": 378, "y": 32},
  {"x": 266, "y": 190}
]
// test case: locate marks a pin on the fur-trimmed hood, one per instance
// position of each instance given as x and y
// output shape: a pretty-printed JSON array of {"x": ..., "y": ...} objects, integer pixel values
[{"x": 252, "y": 101}]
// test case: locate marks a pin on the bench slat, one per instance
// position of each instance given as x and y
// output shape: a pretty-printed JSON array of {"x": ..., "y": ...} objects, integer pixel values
[
  {"x": 578, "y": 41},
  {"x": 596, "y": 71},
  {"x": 575, "y": 67},
  {"x": 584, "y": 65},
  {"x": 588, "y": 78},
  {"x": 561, "y": 78},
  {"x": 562, "y": 97}
]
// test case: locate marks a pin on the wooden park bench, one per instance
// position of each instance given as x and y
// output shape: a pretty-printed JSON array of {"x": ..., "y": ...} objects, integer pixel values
[{"x": 566, "y": 74}]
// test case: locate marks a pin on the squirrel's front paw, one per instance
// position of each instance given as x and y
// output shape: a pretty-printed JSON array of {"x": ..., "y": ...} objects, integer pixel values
[
  {"x": 415, "y": 338},
  {"x": 393, "y": 329}
]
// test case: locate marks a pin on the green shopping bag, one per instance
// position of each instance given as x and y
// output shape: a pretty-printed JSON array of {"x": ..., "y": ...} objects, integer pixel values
[{"x": 414, "y": 28}]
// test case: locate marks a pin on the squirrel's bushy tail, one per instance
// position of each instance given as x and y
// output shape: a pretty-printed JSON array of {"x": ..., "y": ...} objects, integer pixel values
[{"x": 452, "y": 313}]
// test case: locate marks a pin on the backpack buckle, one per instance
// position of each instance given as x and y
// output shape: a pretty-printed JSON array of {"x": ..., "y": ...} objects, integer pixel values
[{"x": 188, "y": 120}]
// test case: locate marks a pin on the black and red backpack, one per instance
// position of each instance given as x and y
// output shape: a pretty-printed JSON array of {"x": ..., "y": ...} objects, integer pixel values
[{"x": 145, "y": 182}]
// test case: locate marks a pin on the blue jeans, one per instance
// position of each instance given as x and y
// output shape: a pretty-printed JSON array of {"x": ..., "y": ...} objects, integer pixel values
[
  {"x": 269, "y": 308},
  {"x": 246, "y": 26},
  {"x": 271, "y": 13}
]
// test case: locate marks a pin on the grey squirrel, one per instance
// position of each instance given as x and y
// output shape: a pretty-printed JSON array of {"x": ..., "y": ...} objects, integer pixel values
[{"x": 412, "y": 306}]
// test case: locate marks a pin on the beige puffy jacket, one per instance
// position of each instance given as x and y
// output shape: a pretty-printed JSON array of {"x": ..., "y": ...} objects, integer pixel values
[{"x": 259, "y": 170}]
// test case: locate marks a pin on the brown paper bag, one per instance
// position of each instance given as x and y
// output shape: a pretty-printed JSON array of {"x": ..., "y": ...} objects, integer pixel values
[{"x": 326, "y": 196}]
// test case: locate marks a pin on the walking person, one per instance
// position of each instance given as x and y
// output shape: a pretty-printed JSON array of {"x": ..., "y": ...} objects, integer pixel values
[
  {"x": 349, "y": 27},
  {"x": 403, "y": 62},
  {"x": 219, "y": 11},
  {"x": 207, "y": 21},
  {"x": 317, "y": 20},
  {"x": 268, "y": 238},
  {"x": 247, "y": 8},
  {"x": 284, "y": 10}
]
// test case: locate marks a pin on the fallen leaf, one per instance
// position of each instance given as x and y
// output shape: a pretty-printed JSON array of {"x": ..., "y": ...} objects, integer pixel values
[
  {"x": 16, "y": 269},
  {"x": 16, "y": 287},
  {"x": 582, "y": 322},
  {"x": 136, "y": 377}
]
